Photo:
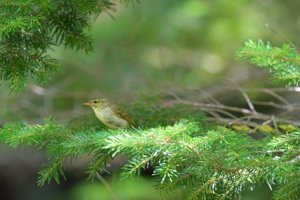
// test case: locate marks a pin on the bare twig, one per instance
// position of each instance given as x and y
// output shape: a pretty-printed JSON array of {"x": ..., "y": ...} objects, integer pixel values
[
  {"x": 276, "y": 105},
  {"x": 246, "y": 97},
  {"x": 107, "y": 186},
  {"x": 272, "y": 93},
  {"x": 251, "y": 117},
  {"x": 283, "y": 37},
  {"x": 249, "y": 113}
]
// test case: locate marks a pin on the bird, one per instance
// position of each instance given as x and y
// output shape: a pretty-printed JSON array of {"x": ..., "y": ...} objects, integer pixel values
[{"x": 110, "y": 114}]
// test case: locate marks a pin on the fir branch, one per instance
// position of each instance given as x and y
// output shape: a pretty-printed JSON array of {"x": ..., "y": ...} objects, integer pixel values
[
  {"x": 52, "y": 170},
  {"x": 98, "y": 165},
  {"x": 208, "y": 164},
  {"x": 30, "y": 28},
  {"x": 282, "y": 62},
  {"x": 21, "y": 134}
]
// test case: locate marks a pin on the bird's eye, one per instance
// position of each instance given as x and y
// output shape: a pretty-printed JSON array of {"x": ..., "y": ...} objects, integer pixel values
[{"x": 95, "y": 101}]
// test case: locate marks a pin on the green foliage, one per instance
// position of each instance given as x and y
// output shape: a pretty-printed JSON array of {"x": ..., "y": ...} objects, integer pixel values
[
  {"x": 207, "y": 163},
  {"x": 282, "y": 62},
  {"x": 185, "y": 152},
  {"x": 29, "y": 28}
]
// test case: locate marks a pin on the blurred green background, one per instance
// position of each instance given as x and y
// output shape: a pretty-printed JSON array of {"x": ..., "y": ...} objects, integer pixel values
[{"x": 153, "y": 46}]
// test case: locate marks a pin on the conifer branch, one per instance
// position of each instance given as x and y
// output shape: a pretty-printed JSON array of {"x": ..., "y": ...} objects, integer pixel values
[
  {"x": 185, "y": 153},
  {"x": 283, "y": 63},
  {"x": 210, "y": 163},
  {"x": 30, "y": 28},
  {"x": 52, "y": 170}
]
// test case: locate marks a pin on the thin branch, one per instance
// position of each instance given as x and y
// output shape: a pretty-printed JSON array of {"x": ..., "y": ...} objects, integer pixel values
[
  {"x": 226, "y": 113},
  {"x": 247, "y": 112},
  {"x": 246, "y": 97},
  {"x": 242, "y": 120},
  {"x": 221, "y": 106},
  {"x": 210, "y": 97},
  {"x": 230, "y": 114},
  {"x": 283, "y": 37},
  {"x": 276, "y": 105},
  {"x": 107, "y": 186},
  {"x": 289, "y": 89},
  {"x": 272, "y": 93}
]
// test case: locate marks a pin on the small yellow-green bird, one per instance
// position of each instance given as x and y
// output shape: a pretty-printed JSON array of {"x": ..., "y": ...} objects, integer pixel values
[{"x": 110, "y": 114}]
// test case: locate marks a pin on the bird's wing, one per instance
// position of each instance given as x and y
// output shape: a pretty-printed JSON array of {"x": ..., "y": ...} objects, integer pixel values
[{"x": 121, "y": 112}]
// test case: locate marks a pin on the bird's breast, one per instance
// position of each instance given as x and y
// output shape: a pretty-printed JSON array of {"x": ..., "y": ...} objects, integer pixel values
[{"x": 110, "y": 119}]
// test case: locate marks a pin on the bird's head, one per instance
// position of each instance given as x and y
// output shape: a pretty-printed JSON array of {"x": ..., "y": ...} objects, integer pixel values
[{"x": 97, "y": 103}]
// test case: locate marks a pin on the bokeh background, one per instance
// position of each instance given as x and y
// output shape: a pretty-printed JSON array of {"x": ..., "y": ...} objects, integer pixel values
[{"x": 185, "y": 47}]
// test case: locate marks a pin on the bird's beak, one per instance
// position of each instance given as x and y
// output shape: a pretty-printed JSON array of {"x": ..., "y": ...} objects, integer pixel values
[{"x": 87, "y": 104}]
